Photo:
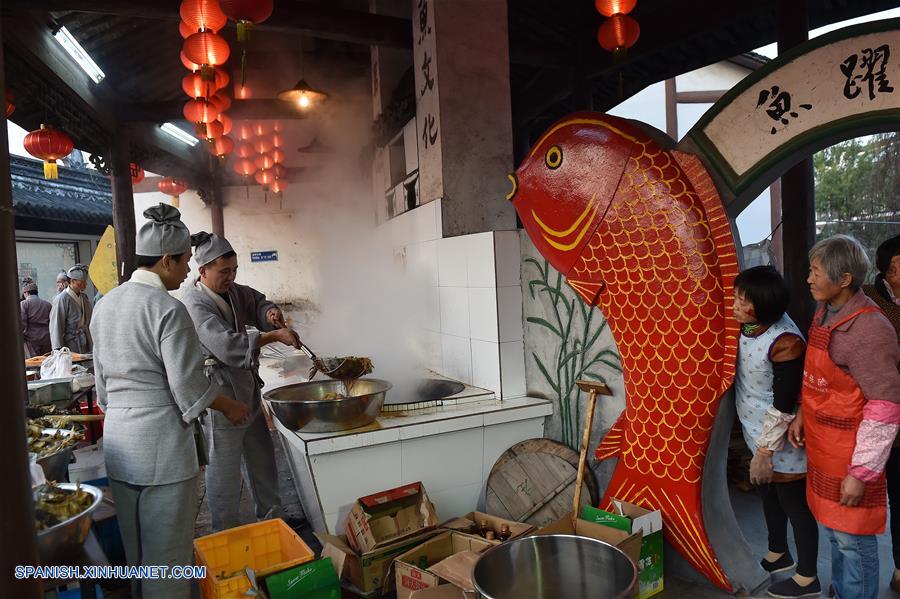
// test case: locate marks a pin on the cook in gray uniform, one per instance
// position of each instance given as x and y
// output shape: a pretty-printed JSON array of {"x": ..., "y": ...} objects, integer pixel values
[
  {"x": 223, "y": 311},
  {"x": 70, "y": 318},
  {"x": 62, "y": 281},
  {"x": 35, "y": 314},
  {"x": 149, "y": 374}
]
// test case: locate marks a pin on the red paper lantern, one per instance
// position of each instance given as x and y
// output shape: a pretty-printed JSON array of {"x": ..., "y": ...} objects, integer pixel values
[
  {"x": 242, "y": 92},
  {"x": 277, "y": 155},
  {"x": 264, "y": 178},
  {"x": 247, "y": 13},
  {"x": 244, "y": 167},
  {"x": 222, "y": 147},
  {"x": 191, "y": 66},
  {"x": 262, "y": 145},
  {"x": 277, "y": 140},
  {"x": 222, "y": 78},
  {"x": 245, "y": 149},
  {"x": 264, "y": 161},
  {"x": 200, "y": 111},
  {"x": 49, "y": 145},
  {"x": 280, "y": 171},
  {"x": 137, "y": 173},
  {"x": 185, "y": 30},
  {"x": 10, "y": 107},
  {"x": 276, "y": 126},
  {"x": 206, "y": 49},
  {"x": 195, "y": 86},
  {"x": 173, "y": 187},
  {"x": 245, "y": 131},
  {"x": 226, "y": 123},
  {"x": 618, "y": 33},
  {"x": 203, "y": 14},
  {"x": 221, "y": 101},
  {"x": 261, "y": 128},
  {"x": 608, "y": 8},
  {"x": 214, "y": 130},
  {"x": 278, "y": 186}
]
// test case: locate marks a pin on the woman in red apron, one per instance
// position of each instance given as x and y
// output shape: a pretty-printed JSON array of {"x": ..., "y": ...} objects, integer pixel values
[{"x": 850, "y": 413}]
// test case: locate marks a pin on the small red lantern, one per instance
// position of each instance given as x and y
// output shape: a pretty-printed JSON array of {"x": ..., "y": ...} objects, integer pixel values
[
  {"x": 137, "y": 173},
  {"x": 214, "y": 130},
  {"x": 195, "y": 86},
  {"x": 261, "y": 128},
  {"x": 244, "y": 167},
  {"x": 278, "y": 186},
  {"x": 242, "y": 92},
  {"x": 245, "y": 131},
  {"x": 222, "y": 147},
  {"x": 264, "y": 161},
  {"x": 49, "y": 145},
  {"x": 280, "y": 171},
  {"x": 208, "y": 50},
  {"x": 618, "y": 33},
  {"x": 264, "y": 178},
  {"x": 10, "y": 107},
  {"x": 203, "y": 14},
  {"x": 222, "y": 78},
  {"x": 247, "y": 13},
  {"x": 245, "y": 149},
  {"x": 221, "y": 101},
  {"x": 191, "y": 66},
  {"x": 262, "y": 145},
  {"x": 277, "y": 140},
  {"x": 173, "y": 187},
  {"x": 185, "y": 30},
  {"x": 200, "y": 112},
  {"x": 226, "y": 123},
  {"x": 608, "y": 8},
  {"x": 277, "y": 155}
]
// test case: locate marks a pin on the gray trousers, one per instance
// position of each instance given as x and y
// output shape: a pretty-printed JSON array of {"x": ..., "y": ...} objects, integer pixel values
[
  {"x": 227, "y": 448},
  {"x": 157, "y": 526}
]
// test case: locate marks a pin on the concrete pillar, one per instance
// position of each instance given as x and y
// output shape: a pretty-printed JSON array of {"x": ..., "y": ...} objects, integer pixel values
[{"x": 463, "y": 114}]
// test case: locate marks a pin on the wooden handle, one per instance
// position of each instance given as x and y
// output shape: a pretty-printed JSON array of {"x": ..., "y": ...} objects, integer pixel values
[
  {"x": 582, "y": 459},
  {"x": 76, "y": 417}
]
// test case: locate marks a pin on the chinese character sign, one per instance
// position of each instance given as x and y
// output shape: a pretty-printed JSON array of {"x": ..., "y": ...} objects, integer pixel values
[{"x": 428, "y": 121}]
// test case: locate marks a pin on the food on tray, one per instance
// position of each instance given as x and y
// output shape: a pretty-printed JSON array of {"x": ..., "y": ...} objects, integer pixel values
[
  {"x": 44, "y": 444},
  {"x": 36, "y": 361},
  {"x": 53, "y": 505}
]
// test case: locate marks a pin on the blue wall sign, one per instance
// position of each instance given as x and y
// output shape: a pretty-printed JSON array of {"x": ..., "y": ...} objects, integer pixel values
[{"x": 270, "y": 256}]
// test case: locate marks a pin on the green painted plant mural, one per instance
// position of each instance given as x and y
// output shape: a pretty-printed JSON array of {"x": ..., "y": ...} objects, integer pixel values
[{"x": 578, "y": 355}]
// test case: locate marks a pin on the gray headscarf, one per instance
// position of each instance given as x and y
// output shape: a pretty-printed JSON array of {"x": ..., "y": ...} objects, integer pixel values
[
  {"x": 62, "y": 274},
  {"x": 79, "y": 272},
  {"x": 28, "y": 285},
  {"x": 163, "y": 233},
  {"x": 208, "y": 247}
]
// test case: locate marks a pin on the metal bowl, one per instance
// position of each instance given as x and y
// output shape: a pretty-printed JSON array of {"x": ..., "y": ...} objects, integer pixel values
[
  {"x": 302, "y": 407},
  {"x": 61, "y": 544},
  {"x": 555, "y": 566}
]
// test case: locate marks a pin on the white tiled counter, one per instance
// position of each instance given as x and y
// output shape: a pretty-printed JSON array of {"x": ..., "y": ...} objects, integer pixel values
[{"x": 451, "y": 449}]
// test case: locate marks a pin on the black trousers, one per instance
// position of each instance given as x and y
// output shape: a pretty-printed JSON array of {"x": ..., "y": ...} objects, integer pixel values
[
  {"x": 787, "y": 501},
  {"x": 892, "y": 471}
]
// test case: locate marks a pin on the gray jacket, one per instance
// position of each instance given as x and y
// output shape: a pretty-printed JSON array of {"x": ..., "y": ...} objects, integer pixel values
[
  {"x": 230, "y": 348},
  {"x": 69, "y": 326}
]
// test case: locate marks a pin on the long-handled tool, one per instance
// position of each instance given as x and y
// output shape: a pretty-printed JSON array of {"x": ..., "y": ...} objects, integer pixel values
[{"x": 594, "y": 389}]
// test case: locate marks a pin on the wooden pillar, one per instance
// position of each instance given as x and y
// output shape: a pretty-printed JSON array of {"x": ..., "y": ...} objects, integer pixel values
[
  {"x": 775, "y": 220},
  {"x": 19, "y": 541},
  {"x": 215, "y": 208},
  {"x": 798, "y": 202},
  {"x": 123, "y": 204},
  {"x": 671, "y": 109}
]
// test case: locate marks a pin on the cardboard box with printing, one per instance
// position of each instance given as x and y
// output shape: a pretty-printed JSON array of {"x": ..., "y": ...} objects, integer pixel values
[
  {"x": 387, "y": 517},
  {"x": 447, "y": 557},
  {"x": 474, "y": 519}
]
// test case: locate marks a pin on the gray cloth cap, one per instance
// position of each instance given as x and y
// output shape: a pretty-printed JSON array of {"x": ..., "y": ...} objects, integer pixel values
[
  {"x": 208, "y": 247},
  {"x": 79, "y": 272},
  {"x": 163, "y": 233},
  {"x": 62, "y": 275},
  {"x": 28, "y": 284}
]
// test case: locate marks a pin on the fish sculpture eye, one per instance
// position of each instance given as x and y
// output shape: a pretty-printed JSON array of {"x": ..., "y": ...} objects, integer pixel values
[{"x": 553, "y": 158}]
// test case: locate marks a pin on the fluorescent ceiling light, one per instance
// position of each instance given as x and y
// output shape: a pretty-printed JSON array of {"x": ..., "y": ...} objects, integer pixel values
[
  {"x": 84, "y": 60},
  {"x": 179, "y": 134}
]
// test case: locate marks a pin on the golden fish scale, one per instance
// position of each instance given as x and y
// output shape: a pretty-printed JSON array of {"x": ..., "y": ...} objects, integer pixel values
[{"x": 663, "y": 300}]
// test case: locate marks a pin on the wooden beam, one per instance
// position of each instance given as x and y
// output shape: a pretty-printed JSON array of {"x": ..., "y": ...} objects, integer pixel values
[
  {"x": 700, "y": 97},
  {"x": 217, "y": 214},
  {"x": 252, "y": 109},
  {"x": 122, "y": 205},
  {"x": 671, "y": 108},
  {"x": 19, "y": 546},
  {"x": 316, "y": 20}
]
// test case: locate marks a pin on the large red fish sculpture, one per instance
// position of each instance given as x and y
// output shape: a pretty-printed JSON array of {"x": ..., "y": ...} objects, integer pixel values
[{"x": 638, "y": 229}]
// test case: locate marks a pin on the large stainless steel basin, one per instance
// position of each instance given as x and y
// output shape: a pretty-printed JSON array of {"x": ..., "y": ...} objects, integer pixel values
[
  {"x": 302, "y": 407},
  {"x": 553, "y": 566},
  {"x": 61, "y": 544}
]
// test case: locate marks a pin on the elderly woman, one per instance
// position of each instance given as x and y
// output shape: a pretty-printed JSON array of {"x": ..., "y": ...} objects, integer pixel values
[
  {"x": 886, "y": 293},
  {"x": 850, "y": 413}
]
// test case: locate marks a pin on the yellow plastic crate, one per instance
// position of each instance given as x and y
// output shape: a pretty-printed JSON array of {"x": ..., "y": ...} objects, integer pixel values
[{"x": 267, "y": 547}]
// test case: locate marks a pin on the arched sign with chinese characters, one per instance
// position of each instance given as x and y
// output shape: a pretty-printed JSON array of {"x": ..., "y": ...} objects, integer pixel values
[{"x": 835, "y": 87}]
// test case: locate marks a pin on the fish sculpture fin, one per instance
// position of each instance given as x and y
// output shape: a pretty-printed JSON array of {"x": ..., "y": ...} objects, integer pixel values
[
  {"x": 728, "y": 262},
  {"x": 589, "y": 291},
  {"x": 611, "y": 445}
]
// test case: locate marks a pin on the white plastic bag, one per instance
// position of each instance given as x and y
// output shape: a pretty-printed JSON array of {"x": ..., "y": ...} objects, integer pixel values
[{"x": 57, "y": 365}]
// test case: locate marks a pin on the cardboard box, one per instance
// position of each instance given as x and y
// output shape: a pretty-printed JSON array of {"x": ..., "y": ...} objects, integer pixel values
[
  {"x": 313, "y": 580},
  {"x": 387, "y": 517},
  {"x": 649, "y": 524},
  {"x": 628, "y": 542},
  {"x": 518, "y": 529},
  {"x": 368, "y": 572},
  {"x": 413, "y": 569},
  {"x": 444, "y": 591}
]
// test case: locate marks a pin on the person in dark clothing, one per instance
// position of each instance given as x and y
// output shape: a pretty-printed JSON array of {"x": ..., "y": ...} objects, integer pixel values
[
  {"x": 35, "y": 313},
  {"x": 767, "y": 387}
]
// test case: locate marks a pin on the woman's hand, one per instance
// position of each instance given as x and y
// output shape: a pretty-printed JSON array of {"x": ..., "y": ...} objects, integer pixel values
[
  {"x": 236, "y": 412},
  {"x": 852, "y": 490},
  {"x": 796, "y": 435},
  {"x": 761, "y": 468}
]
